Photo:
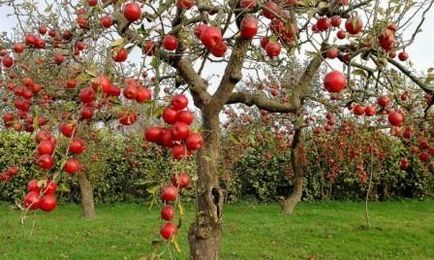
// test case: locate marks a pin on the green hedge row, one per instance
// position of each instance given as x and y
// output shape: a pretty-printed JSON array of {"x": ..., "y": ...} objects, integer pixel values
[
  {"x": 260, "y": 177},
  {"x": 121, "y": 170}
]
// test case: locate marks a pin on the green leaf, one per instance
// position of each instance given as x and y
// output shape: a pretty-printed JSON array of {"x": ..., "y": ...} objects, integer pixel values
[
  {"x": 359, "y": 72},
  {"x": 118, "y": 43}
]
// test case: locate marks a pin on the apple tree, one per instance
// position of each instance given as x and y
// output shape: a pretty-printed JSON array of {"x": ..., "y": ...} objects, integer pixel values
[{"x": 206, "y": 48}]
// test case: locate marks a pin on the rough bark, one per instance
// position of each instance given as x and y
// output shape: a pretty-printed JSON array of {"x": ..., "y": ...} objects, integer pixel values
[
  {"x": 87, "y": 202},
  {"x": 291, "y": 202},
  {"x": 297, "y": 154},
  {"x": 205, "y": 234}
]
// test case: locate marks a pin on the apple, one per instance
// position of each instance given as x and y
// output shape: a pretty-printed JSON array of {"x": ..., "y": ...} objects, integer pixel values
[
  {"x": 130, "y": 92},
  {"x": 179, "y": 102},
  {"x": 169, "y": 193},
  {"x": 354, "y": 25},
  {"x": 31, "y": 200},
  {"x": 48, "y": 203},
  {"x": 182, "y": 180},
  {"x": 180, "y": 131},
  {"x": 18, "y": 48},
  {"x": 211, "y": 36},
  {"x": 106, "y": 21},
  {"x": 332, "y": 53},
  {"x": 8, "y": 61},
  {"x": 92, "y": 2},
  {"x": 199, "y": 29},
  {"x": 170, "y": 115},
  {"x": 45, "y": 147},
  {"x": 370, "y": 110},
  {"x": 76, "y": 146},
  {"x": 323, "y": 24},
  {"x": 170, "y": 42},
  {"x": 341, "y": 34},
  {"x": 185, "y": 4},
  {"x": 167, "y": 213},
  {"x": 335, "y": 81},
  {"x": 249, "y": 27},
  {"x": 404, "y": 164},
  {"x": 194, "y": 141},
  {"x": 424, "y": 156},
  {"x": 403, "y": 56},
  {"x": 335, "y": 21},
  {"x": 120, "y": 55},
  {"x": 143, "y": 95},
  {"x": 168, "y": 230},
  {"x": 33, "y": 185},
  {"x": 86, "y": 112},
  {"x": 396, "y": 118},
  {"x": 179, "y": 151},
  {"x": 269, "y": 8},
  {"x": 219, "y": 49},
  {"x": 59, "y": 58},
  {"x": 132, "y": 12},
  {"x": 42, "y": 30},
  {"x": 386, "y": 39},
  {"x": 50, "y": 188},
  {"x": 185, "y": 117},
  {"x": 383, "y": 101},
  {"x": 87, "y": 95},
  {"x": 166, "y": 139},
  {"x": 67, "y": 129},
  {"x": 45, "y": 161},
  {"x": 248, "y": 4},
  {"x": 273, "y": 49},
  {"x": 72, "y": 166},
  {"x": 71, "y": 83},
  {"x": 359, "y": 110},
  {"x": 153, "y": 134}
]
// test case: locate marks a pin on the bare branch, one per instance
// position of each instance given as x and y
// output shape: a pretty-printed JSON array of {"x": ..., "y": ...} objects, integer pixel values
[
  {"x": 263, "y": 102},
  {"x": 409, "y": 74},
  {"x": 232, "y": 73}
]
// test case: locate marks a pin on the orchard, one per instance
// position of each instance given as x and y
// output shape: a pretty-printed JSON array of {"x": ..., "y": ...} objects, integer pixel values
[{"x": 189, "y": 107}]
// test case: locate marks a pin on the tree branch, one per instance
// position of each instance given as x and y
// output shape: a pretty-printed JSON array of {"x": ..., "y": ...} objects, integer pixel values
[
  {"x": 263, "y": 102},
  {"x": 182, "y": 64},
  {"x": 232, "y": 73},
  {"x": 408, "y": 73},
  {"x": 305, "y": 82}
]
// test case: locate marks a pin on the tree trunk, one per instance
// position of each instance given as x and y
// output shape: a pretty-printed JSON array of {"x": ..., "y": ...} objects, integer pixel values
[
  {"x": 295, "y": 197},
  {"x": 87, "y": 202},
  {"x": 297, "y": 161},
  {"x": 206, "y": 233}
]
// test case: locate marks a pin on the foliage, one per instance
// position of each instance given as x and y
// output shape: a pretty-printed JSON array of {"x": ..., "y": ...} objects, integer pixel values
[{"x": 338, "y": 166}]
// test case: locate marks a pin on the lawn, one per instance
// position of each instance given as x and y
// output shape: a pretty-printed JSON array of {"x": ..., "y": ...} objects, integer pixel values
[{"x": 323, "y": 230}]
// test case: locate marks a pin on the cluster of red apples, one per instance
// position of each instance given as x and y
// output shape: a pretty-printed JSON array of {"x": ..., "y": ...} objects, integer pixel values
[
  {"x": 169, "y": 194},
  {"x": 23, "y": 96},
  {"x": 41, "y": 195},
  {"x": 177, "y": 136},
  {"x": 419, "y": 142},
  {"x": 335, "y": 82},
  {"x": 9, "y": 173}
]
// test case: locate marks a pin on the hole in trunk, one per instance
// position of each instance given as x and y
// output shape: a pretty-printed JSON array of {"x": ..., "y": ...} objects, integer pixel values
[{"x": 216, "y": 199}]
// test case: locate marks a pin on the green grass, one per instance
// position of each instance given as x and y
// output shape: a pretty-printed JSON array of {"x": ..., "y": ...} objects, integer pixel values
[{"x": 324, "y": 230}]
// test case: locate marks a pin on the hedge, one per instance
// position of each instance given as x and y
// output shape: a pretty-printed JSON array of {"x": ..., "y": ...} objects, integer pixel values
[{"x": 120, "y": 170}]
